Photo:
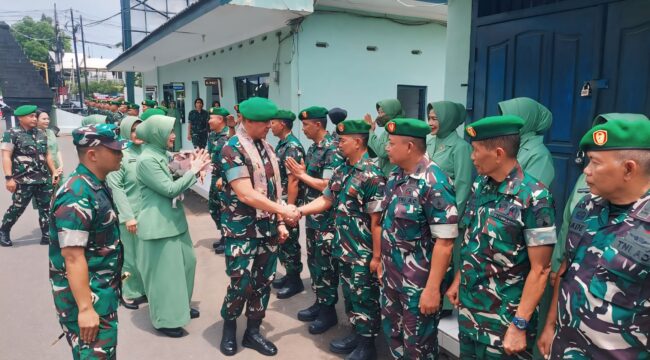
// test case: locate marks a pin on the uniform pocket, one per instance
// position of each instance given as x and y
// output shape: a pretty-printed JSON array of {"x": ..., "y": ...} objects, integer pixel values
[{"x": 619, "y": 281}]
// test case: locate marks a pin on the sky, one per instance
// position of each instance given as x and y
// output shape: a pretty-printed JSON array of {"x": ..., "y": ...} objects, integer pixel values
[{"x": 108, "y": 32}]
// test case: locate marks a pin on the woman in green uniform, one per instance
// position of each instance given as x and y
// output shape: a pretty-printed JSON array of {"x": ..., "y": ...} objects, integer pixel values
[{"x": 173, "y": 112}]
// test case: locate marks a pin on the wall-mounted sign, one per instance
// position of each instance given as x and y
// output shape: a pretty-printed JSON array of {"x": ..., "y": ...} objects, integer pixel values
[{"x": 212, "y": 81}]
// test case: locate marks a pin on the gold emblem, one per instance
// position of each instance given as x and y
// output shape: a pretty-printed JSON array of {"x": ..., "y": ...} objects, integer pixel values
[
  {"x": 600, "y": 137},
  {"x": 391, "y": 127},
  {"x": 471, "y": 132},
  {"x": 341, "y": 127}
]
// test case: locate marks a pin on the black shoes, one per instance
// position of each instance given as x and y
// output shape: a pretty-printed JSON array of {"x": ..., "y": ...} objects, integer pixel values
[
  {"x": 172, "y": 332},
  {"x": 228, "y": 345},
  {"x": 219, "y": 246},
  {"x": 45, "y": 240},
  {"x": 365, "y": 350},
  {"x": 279, "y": 282},
  {"x": 5, "y": 240},
  {"x": 325, "y": 320},
  {"x": 292, "y": 286},
  {"x": 346, "y": 344},
  {"x": 254, "y": 340},
  {"x": 129, "y": 305},
  {"x": 194, "y": 313},
  {"x": 140, "y": 300},
  {"x": 310, "y": 313}
]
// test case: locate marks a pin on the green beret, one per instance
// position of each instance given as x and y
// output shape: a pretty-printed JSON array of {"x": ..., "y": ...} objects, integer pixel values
[
  {"x": 149, "y": 103},
  {"x": 494, "y": 126},
  {"x": 133, "y": 106},
  {"x": 118, "y": 103},
  {"x": 150, "y": 112},
  {"x": 258, "y": 109},
  {"x": 617, "y": 134},
  {"x": 408, "y": 127},
  {"x": 603, "y": 118},
  {"x": 350, "y": 127},
  {"x": 313, "y": 112},
  {"x": 285, "y": 115},
  {"x": 25, "y": 110},
  {"x": 219, "y": 111}
]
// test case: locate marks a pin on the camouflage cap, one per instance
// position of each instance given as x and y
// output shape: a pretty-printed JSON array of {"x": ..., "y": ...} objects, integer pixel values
[
  {"x": 219, "y": 111},
  {"x": 101, "y": 134},
  {"x": 24, "y": 110}
]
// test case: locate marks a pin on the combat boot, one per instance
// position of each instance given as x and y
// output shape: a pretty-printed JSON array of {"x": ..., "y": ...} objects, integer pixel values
[
  {"x": 45, "y": 239},
  {"x": 325, "y": 320},
  {"x": 365, "y": 350},
  {"x": 5, "y": 240},
  {"x": 346, "y": 344},
  {"x": 279, "y": 282},
  {"x": 219, "y": 246},
  {"x": 310, "y": 313},
  {"x": 253, "y": 339},
  {"x": 292, "y": 286},
  {"x": 228, "y": 345}
]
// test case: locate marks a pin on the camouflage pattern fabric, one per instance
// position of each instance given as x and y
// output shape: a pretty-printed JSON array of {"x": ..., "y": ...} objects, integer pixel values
[
  {"x": 419, "y": 208},
  {"x": 604, "y": 304},
  {"x": 250, "y": 264},
  {"x": 289, "y": 252},
  {"x": 320, "y": 163},
  {"x": 117, "y": 117},
  {"x": 361, "y": 294},
  {"x": 105, "y": 344},
  {"x": 238, "y": 219},
  {"x": 323, "y": 268},
  {"x": 29, "y": 153},
  {"x": 83, "y": 214},
  {"x": 199, "y": 126},
  {"x": 471, "y": 350},
  {"x": 501, "y": 221},
  {"x": 42, "y": 194},
  {"x": 356, "y": 191},
  {"x": 216, "y": 141}
]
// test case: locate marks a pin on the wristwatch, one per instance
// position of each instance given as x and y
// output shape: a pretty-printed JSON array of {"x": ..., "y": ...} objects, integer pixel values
[
  {"x": 520, "y": 323},
  {"x": 8, "y": 177}
]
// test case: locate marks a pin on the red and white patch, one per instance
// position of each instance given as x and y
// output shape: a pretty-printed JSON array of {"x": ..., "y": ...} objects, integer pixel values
[{"x": 600, "y": 137}]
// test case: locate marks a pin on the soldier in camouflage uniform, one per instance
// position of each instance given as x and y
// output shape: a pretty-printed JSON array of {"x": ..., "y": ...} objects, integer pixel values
[
  {"x": 252, "y": 225},
  {"x": 28, "y": 167},
  {"x": 321, "y": 160},
  {"x": 292, "y": 193},
  {"x": 386, "y": 110},
  {"x": 418, "y": 230},
  {"x": 505, "y": 254},
  {"x": 216, "y": 140},
  {"x": 355, "y": 193},
  {"x": 133, "y": 109},
  {"x": 600, "y": 305},
  {"x": 86, "y": 249},
  {"x": 148, "y": 104}
]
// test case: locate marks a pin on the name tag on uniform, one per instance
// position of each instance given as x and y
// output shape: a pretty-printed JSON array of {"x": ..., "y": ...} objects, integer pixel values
[
  {"x": 507, "y": 213},
  {"x": 407, "y": 200},
  {"x": 635, "y": 245}
]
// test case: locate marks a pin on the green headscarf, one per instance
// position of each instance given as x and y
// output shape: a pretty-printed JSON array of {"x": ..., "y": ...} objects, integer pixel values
[
  {"x": 450, "y": 116},
  {"x": 155, "y": 131},
  {"x": 125, "y": 127},
  {"x": 537, "y": 118},
  {"x": 392, "y": 109},
  {"x": 94, "y": 119}
]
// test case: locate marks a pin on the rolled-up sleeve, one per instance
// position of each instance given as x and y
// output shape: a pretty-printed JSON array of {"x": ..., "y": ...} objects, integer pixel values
[
  {"x": 233, "y": 164},
  {"x": 540, "y": 236},
  {"x": 539, "y": 220},
  {"x": 73, "y": 215},
  {"x": 7, "y": 142}
]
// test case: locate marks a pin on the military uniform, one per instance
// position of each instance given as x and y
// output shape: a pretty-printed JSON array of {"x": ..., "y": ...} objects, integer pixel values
[
  {"x": 199, "y": 126},
  {"x": 30, "y": 171},
  {"x": 392, "y": 108},
  {"x": 320, "y": 162},
  {"x": 216, "y": 142},
  {"x": 290, "y": 258},
  {"x": 356, "y": 191},
  {"x": 84, "y": 215}
]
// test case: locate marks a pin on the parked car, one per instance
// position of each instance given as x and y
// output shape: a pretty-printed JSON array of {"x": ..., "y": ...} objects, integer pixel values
[{"x": 71, "y": 106}]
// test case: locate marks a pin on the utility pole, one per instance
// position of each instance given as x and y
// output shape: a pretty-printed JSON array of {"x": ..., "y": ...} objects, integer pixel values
[
  {"x": 57, "y": 55},
  {"x": 83, "y": 47},
  {"x": 126, "y": 43},
  {"x": 76, "y": 60}
]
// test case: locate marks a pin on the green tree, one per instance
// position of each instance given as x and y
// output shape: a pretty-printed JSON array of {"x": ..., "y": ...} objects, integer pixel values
[
  {"x": 106, "y": 87},
  {"x": 37, "y": 38}
]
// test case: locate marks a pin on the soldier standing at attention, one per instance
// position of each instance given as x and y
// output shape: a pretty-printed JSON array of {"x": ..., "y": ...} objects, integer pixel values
[
  {"x": 292, "y": 193},
  {"x": 505, "y": 255},
  {"x": 28, "y": 167},
  {"x": 600, "y": 308},
  {"x": 86, "y": 251},
  {"x": 216, "y": 140},
  {"x": 355, "y": 193},
  {"x": 252, "y": 225},
  {"x": 133, "y": 109},
  {"x": 315, "y": 172},
  {"x": 418, "y": 230}
]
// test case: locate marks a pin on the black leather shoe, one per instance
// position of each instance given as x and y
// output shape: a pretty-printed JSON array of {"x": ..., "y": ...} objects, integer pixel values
[
  {"x": 254, "y": 340},
  {"x": 365, "y": 350},
  {"x": 45, "y": 240},
  {"x": 310, "y": 313},
  {"x": 216, "y": 243},
  {"x": 172, "y": 332},
  {"x": 325, "y": 320},
  {"x": 228, "y": 345},
  {"x": 5, "y": 240},
  {"x": 220, "y": 249},
  {"x": 292, "y": 286},
  {"x": 346, "y": 344},
  {"x": 194, "y": 313},
  {"x": 129, "y": 305},
  {"x": 279, "y": 282},
  {"x": 140, "y": 300}
]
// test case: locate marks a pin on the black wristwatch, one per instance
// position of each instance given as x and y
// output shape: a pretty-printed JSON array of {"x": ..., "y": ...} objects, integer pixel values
[{"x": 8, "y": 177}]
